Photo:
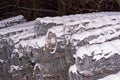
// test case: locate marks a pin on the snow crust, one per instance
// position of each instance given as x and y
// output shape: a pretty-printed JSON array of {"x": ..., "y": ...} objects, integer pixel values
[
  {"x": 37, "y": 65},
  {"x": 112, "y": 77},
  {"x": 102, "y": 26},
  {"x": 36, "y": 43},
  {"x": 98, "y": 51},
  {"x": 93, "y": 34},
  {"x": 1, "y": 60},
  {"x": 73, "y": 69},
  {"x": 5, "y": 22},
  {"x": 14, "y": 67},
  {"x": 17, "y": 27}
]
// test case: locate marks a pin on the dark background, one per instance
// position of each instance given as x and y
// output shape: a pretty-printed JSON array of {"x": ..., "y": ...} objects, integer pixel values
[{"x": 32, "y": 9}]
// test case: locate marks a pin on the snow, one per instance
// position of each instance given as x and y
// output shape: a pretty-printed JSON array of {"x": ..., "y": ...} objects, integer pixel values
[
  {"x": 17, "y": 27},
  {"x": 116, "y": 45},
  {"x": 14, "y": 67},
  {"x": 37, "y": 65},
  {"x": 81, "y": 51},
  {"x": 100, "y": 50},
  {"x": 36, "y": 43},
  {"x": 117, "y": 27},
  {"x": 112, "y": 77},
  {"x": 57, "y": 20},
  {"x": 73, "y": 69},
  {"x": 100, "y": 39},
  {"x": 17, "y": 37},
  {"x": 71, "y": 24},
  {"x": 45, "y": 20},
  {"x": 58, "y": 30},
  {"x": 21, "y": 55},
  {"x": 66, "y": 19},
  {"x": 93, "y": 25},
  {"x": 107, "y": 49},
  {"x": 98, "y": 22},
  {"x": 12, "y": 55},
  {"x": 86, "y": 73},
  {"x": 1, "y": 60},
  {"x": 81, "y": 37},
  {"x": 13, "y": 19},
  {"x": 108, "y": 20},
  {"x": 105, "y": 27}
]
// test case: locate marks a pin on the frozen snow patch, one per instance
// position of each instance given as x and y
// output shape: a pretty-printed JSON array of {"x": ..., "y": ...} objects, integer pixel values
[
  {"x": 112, "y": 77},
  {"x": 73, "y": 69}
]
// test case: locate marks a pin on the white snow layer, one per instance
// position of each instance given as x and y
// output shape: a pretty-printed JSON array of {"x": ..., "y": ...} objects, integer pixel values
[
  {"x": 105, "y": 27},
  {"x": 73, "y": 69},
  {"x": 103, "y": 24},
  {"x": 74, "y": 28},
  {"x": 112, "y": 77},
  {"x": 3, "y": 23},
  {"x": 14, "y": 67},
  {"x": 18, "y": 27},
  {"x": 1, "y": 60},
  {"x": 38, "y": 42},
  {"x": 99, "y": 51}
]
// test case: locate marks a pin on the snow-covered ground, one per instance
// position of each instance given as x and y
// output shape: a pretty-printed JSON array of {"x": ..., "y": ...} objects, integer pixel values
[
  {"x": 96, "y": 29},
  {"x": 12, "y": 21},
  {"x": 93, "y": 34},
  {"x": 97, "y": 36},
  {"x": 112, "y": 77}
]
